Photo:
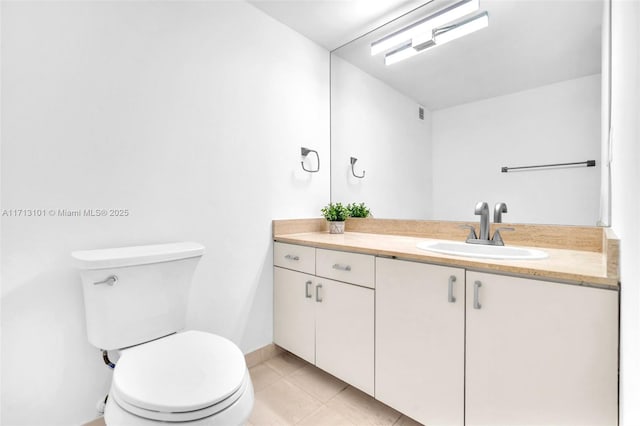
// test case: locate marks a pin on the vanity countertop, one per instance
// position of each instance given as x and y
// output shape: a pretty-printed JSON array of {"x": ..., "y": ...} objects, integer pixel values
[{"x": 571, "y": 266}]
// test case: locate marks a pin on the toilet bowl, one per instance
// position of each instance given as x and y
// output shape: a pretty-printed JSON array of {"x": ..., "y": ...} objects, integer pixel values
[
  {"x": 135, "y": 303},
  {"x": 191, "y": 377}
]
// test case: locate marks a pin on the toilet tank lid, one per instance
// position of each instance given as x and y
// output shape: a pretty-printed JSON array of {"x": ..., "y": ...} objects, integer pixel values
[{"x": 135, "y": 255}]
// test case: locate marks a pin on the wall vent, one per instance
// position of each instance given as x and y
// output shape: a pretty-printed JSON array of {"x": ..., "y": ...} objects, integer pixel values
[{"x": 421, "y": 113}]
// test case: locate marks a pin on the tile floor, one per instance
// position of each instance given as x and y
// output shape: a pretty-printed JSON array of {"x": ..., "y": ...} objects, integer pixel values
[{"x": 290, "y": 391}]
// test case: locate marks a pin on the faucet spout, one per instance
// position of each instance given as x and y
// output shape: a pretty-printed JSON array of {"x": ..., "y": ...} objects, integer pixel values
[{"x": 482, "y": 209}]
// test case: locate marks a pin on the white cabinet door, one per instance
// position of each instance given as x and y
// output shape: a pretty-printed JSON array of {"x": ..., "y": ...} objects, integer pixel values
[
  {"x": 345, "y": 332},
  {"x": 293, "y": 312},
  {"x": 420, "y": 340},
  {"x": 540, "y": 353}
]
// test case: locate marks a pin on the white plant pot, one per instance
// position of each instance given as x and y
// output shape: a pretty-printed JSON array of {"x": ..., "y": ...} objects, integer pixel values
[{"x": 336, "y": 227}]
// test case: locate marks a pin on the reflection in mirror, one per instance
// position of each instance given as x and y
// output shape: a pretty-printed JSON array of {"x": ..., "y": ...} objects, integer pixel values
[{"x": 434, "y": 131}]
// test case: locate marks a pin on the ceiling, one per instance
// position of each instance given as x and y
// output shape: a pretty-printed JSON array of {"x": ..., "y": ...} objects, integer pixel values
[{"x": 528, "y": 44}]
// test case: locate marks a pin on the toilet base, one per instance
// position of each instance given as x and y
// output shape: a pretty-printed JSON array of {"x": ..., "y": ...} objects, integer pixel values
[{"x": 236, "y": 414}]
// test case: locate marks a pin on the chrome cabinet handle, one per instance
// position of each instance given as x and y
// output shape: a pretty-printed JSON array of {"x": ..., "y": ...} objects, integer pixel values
[
  {"x": 307, "y": 293},
  {"x": 292, "y": 257},
  {"x": 110, "y": 280},
  {"x": 452, "y": 279},
  {"x": 340, "y": 267},
  {"x": 318, "y": 298},
  {"x": 476, "y": 296}
]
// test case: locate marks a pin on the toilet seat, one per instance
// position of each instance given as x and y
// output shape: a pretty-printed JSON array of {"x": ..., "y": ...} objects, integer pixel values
[
  {"x": 187, "y": 416},
  {"x": 181, "y": 377}
]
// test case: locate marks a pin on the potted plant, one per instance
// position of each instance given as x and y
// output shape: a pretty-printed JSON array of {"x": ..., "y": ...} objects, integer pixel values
[
  {"x": 336, "y": 214},
  {"x": 358, "y": 210}
]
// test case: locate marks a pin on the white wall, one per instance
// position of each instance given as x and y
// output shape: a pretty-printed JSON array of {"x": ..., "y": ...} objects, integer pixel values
[
  {"x": 625, "y": 182},
  {"x": 380, "y": 127},
  {"x": 188, "y": 114},
  {"x": 557, "y": 123}
]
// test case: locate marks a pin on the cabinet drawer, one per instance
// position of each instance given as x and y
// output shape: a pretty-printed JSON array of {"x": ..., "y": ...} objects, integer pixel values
[
  {"x": 298, "y": 258},
  {"x": 348, "y": 267}
]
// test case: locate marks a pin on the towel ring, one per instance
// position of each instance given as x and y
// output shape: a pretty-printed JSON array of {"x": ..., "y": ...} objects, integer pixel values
[
  {"x": 304, "y": 152},
  {"x": 353, "y": 162}
]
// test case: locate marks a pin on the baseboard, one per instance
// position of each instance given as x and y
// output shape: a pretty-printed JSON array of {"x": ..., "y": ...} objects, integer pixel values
[{"x": 262, "y": 354}]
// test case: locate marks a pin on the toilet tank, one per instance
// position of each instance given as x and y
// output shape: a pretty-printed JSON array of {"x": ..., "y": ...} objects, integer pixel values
[{"x": 136, "y": 294}]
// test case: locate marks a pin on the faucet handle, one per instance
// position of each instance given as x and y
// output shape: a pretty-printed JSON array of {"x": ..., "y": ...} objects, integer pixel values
[
  {"x": 472, "y": 232},
  {"x": 497, "y": 212},
  {"x": 497, "y": 238}
]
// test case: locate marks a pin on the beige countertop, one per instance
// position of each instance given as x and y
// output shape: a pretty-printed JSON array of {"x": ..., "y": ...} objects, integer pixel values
[{"x": 570, "y": 266}]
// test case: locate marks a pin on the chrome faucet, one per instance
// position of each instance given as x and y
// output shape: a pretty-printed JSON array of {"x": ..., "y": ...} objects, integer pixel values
[
  {"x": 497, "y": 212},
  {"x": 482, "y": 209}
]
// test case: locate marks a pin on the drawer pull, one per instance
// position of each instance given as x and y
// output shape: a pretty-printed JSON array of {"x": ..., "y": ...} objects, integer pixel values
[
  {"x": 340, "y": 267},
  {"x": 452, "y": 279},
  {"x": 476, "y": 296},
  {"x": 318, "y": 298},
  {"x": 292, "y": 257},
  {"x": 307, "y": 293}
]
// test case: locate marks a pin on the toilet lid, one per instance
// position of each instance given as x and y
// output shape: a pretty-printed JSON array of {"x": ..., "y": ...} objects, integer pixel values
[{"x": 178, "y": 373}]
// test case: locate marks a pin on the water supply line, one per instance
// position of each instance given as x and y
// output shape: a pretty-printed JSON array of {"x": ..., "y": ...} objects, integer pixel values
[{"x": 105, "y": 358}]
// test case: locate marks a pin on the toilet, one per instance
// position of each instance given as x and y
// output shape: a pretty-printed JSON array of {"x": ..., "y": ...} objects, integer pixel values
[{"x": 135, "y": 302}]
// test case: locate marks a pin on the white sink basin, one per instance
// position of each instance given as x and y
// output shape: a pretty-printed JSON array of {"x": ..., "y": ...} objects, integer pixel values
[{"x": 482, "y": 251}]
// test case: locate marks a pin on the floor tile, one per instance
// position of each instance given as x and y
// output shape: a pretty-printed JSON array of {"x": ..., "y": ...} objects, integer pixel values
[
  {"x": 362, "y": 409},
  {"x": 97, "y": 422},
  {"x": 290, "y": 391},
  {"x": 316, "y": 382},
  {"x": 282, "y": 404},
  {"x": 286, "y": 363},
  {"x": 326, "y": 416},
  {"x": 263, "y": 376},
  {"x": 406, "y": 421}
]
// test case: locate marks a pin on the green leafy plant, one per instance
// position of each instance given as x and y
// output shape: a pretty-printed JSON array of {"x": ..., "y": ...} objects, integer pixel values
[
  {"x": 358, "y": 210},
  {"x": 335, "y": 212}
]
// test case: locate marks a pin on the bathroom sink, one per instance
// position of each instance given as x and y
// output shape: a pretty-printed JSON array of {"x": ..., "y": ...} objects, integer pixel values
[{"x": 482, "y": 251}]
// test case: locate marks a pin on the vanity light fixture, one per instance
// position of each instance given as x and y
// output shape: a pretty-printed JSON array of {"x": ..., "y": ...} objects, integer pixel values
[
  {"x": 425, "y": 26},
  {"x": 444, "y": 35},
  {"x": 400, "y": 54},
  {"x": 437, "y": 37}
]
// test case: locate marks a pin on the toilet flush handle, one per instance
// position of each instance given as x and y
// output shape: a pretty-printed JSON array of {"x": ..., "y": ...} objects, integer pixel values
[{"x": 110, "y": 280}]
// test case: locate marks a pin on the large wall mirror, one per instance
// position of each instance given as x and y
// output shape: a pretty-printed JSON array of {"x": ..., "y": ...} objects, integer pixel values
[{"x": 427, "y": 137}]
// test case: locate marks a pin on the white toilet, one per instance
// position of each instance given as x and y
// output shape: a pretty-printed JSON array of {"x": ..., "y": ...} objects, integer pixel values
[{"x": 135, "y": 302}]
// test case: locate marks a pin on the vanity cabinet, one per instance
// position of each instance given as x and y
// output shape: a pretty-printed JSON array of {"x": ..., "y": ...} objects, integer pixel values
[
  {"x": 539, "y": 352},
  {"x": 420, "y": 312},
  {"x": 326, "y": 322},
  {"x": 452, "y": 346}
]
